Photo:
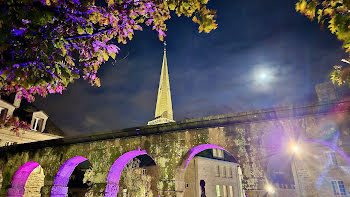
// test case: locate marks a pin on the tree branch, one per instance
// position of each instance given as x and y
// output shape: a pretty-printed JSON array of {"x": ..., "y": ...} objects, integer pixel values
[{"x": 89, "y": 35}]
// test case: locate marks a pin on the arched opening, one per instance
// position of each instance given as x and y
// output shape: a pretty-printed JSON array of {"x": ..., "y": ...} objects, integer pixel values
[
  {"x": 75, "y": 166},
  {"x": 133, "y": 174},
  {"x": 77, "y": 185},
  {"x": 27, "y": 181},
  {"x": 208, "y": 170}
]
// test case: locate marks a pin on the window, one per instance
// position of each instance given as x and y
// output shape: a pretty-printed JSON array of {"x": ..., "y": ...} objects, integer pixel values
[
  {"x": 3, "y": 113},
  {"x": 217, "y": 173},
  {"x": 125, "y": 192},
  {"x": 220, "y": 153},
  {"x": 186, "y": 185},
  {"x": 230, "y": 172},
  {"x": 338, "y": 188},
  {"x": 231, "y": 191},
  {"x": 218, "y": 194},
  {"x": 223, "y": 171},
  {"x": 215, "y": 152},
  {"x": 224, "y": 188},
  {"x": 38, "y": 124},
  {"x": 144, "y": 171},
  {"x": 9, "y": 143},
  {"x": 331, "y": 158}
]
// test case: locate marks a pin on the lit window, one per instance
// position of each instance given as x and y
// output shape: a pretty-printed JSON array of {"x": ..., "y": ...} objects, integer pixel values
[
  {"x": 217, "y": 173},
  {"x": 38, "y": 124},
  {"x": 223, "y": 171},
  {"x": 215, "y": 152},
  {"x": 230, "y": 172},
  {"x": 338, "y": 188},
  {"x": 224, "y": 188},
  {"x": 231, "y": 191},
  {"x": 9, "y": 143},
  {"x": 125, "y": 192},
  {"x": 218, "y": 194},
  {"x": 220, "y": 153},
  {"x": 331, "y": 158},
  {"x": 3, "y": 113}
]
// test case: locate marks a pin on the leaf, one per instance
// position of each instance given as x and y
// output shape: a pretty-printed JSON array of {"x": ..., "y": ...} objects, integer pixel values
[
  {"x": 112, "y": 54},
  {"x": 300, "y": 6},
  {"x": 89, "y": 30},
  {"x": 332, "y": 26},
  {"x": 172, "y": 6},
  {"x": 319, "y": 15},
  {"x": 105, "y": 56},
  {"x": 80, "y": 30}
]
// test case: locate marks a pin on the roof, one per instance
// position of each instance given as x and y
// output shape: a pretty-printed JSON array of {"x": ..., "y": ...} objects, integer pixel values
[{"x": 25, "y": 113}]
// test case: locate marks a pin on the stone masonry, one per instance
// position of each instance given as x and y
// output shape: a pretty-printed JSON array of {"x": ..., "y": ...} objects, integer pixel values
[{"x": 249, "y": 136}]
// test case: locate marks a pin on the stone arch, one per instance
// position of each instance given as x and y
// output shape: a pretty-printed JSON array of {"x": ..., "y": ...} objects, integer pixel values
[
  {"x": 114, "y": 175},
  {"x": 28, "y": 180},
  {"x": 59, "y": 188},
  {"x": 181, "y": 169}
]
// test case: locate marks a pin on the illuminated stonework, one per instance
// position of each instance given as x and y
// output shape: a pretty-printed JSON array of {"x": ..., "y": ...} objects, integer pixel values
[{"x": 164, "y": 108}]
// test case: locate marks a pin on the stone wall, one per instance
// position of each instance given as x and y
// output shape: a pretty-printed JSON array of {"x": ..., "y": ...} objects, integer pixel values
[
  {"x": 252, "y": 137},
  {"x": 34, "y": 183}
]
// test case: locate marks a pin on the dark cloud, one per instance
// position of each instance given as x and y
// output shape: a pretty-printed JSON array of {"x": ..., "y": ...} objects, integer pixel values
[{"x": 209, "y": 73}]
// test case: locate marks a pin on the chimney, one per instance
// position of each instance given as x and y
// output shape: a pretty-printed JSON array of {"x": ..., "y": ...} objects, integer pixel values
[
  {"x": 326, "y": 92},
  {"x": 17, "y": 100}
]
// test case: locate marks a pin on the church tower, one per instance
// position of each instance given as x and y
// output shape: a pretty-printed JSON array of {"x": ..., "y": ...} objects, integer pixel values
[{"x": 164, "y": 108}]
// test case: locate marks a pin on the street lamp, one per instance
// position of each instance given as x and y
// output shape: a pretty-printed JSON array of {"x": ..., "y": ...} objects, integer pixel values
[
  {"x": 270, "y": 189},
  {"x": 295, "y": 149}
]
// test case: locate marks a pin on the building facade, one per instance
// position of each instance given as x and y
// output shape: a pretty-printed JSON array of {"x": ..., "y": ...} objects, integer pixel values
[
  {"x": 41, "y": 128},
  {"x": 213, "y": 175}
]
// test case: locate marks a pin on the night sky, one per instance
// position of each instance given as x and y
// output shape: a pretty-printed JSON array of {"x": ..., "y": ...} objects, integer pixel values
[{"x": 210, "y": 74}]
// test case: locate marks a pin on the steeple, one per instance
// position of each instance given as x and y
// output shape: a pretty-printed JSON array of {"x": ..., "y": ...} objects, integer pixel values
[{"x": 164, "y": 108}]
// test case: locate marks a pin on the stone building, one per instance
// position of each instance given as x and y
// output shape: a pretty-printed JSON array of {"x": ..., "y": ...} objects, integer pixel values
[
  {"x": 41, "y": 127},
  {"x": 213, "y": 173}
]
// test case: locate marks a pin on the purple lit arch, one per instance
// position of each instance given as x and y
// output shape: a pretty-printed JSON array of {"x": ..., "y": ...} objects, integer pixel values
[
  {"x": 181, "y": 169},
  {"x": 59, "y": 188},
  {"x": 20, "y": 178},
  {"x": 195, "y": 150},
  {"x": 115, "y": 172}
]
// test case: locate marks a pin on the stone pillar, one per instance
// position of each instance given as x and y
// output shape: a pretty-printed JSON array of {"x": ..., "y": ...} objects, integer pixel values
[
  {"x": 59, "y": 191},
  {"x": 111, "y": 190},
  {"x": 46, "y": 190},
  {"x": 16, "y": 191}
]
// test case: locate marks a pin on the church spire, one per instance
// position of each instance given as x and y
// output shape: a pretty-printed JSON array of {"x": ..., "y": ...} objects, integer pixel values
[{"x": 164, "y": 108}]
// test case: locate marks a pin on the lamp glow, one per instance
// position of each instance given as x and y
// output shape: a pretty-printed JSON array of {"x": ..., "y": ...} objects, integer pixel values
[
  {"x": 294, "y": 147},
  {"x": 269, "y": 188}
]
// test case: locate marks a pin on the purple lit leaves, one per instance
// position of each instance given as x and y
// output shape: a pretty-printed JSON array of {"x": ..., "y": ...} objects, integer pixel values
[{"x": 56, "y": 42}]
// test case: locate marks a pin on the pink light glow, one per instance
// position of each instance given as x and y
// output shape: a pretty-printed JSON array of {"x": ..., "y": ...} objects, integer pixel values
[
  {"x": 114, "y": 174},
  {"x": 59, "y": 188},
  {"x": 195, "y": 150},
  {"x": 20, "y": 178}
]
